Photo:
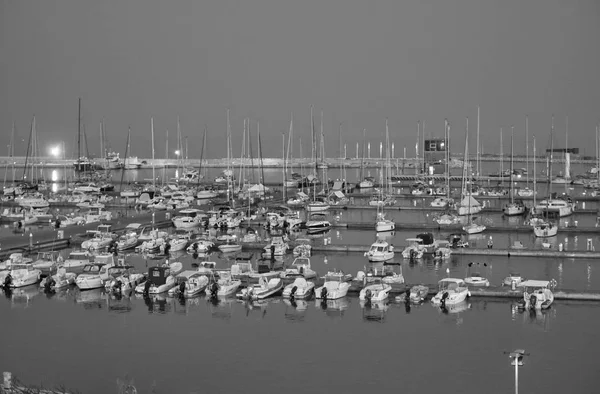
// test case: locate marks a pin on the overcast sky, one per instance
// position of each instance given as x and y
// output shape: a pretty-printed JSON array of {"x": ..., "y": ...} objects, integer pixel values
[{"x": 359, "y": 61}]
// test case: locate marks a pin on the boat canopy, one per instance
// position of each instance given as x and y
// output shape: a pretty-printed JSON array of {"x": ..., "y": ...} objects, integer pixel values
[
  {"x": 302, "y": 260},
  {"x": 451, "y": 282},
  {"x": 535, "y": 283},
  {"x": 158, "y": 275},
  {"x": 133, "y": 226},
  {"x": 427, "y": 238}
]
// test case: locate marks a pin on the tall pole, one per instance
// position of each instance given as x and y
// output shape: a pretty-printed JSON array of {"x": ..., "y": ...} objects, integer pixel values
[
  {"x": 153, "y": 171},
  {"x": 516, "y": 376}
]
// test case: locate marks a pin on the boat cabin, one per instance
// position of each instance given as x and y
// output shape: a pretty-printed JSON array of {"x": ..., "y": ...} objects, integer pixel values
[
  {"x": 451, "y": 284},
  {"x": 93, "y": 268},
  {"x": 49, "y": 256},
  {"x": 426, "y": 239},
  {"x": 533, "y": 285},
  {"x": 380, "y": 246},
  {"x": 158, "y": 275}
]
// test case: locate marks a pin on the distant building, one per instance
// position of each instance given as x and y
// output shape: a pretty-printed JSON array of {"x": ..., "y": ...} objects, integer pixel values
[{"x": 434, "y": 153}]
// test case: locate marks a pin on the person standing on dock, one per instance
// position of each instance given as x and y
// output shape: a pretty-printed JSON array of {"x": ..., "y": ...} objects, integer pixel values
[{"x": 490, "y": 243}]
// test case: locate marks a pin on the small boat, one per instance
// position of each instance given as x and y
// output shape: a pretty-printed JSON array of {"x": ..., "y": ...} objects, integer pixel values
[
  {"x": 261, "y": 290},
  {"x": 513, "y": 277},
  {"x": 225, "y": 286},
  {"x": 128, "y": 240},
  {"x": 335, "y": 287},
  {"x": 514, "y": 209},
  {"x": 382, "y": 224},
  {"x": 545, "y": 229},
  {"x": 230, "y": 247},
  {"x": 77, "y": 260},
  {"x": 188, "y": 218},
  {"x": 19, "y": 275},
  {"x": 47, "y": 260},
  {"x": 103, "y": 237},
  {"x": 123, "y": 278},
  {"x": 200, "y": 246},
  {"x": 178, "y": 242},
  {"x": 375, "y": 291},
  {"x": 537, "y": 294},
  {"x": 317, "y": 223},
  {"x": 300, "y": 267},
  {"x": 380, "y": 250},
  {"x": 300, "y": 289},
  {"x": 302, "y": 248},
  {"x": 152, "y": 245},
  {"x": 418, "y": 293},
  {"x": 93, "y": 277},
  {"x": 447, "y": 219},
  {"x": 477, "y": 280},
  {"x": 414, "y": 250},
  {"x": 474, "y": 228},
  {"x": 451, "y": 291},
  {"x": 58, "y": 281},
  {"x": 441, "y": 202},
  {"x": 189, "y": 284},
  {"x": 317, "y": 206},
  {"x": 277, "y": 247},
  {"x": 160, "y": 279},
  {"x": 442, "y": 250}
]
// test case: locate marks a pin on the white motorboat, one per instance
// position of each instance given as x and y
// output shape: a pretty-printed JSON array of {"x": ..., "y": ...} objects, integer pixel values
[
  {"x": 513, "y": 277},
  {"x": 97, "y": 214},
  {"x": 277, "y": 247},
  {"x": 333, "y": 288},
  {"x": 414, "y": 250},
  {"x": 299, "y": 289},
  {"x": 418, "y": 293},
  {"x": 58, "y": 281},
  {"x": 537, "y": 294},
  {"x": 77, "y": 260},
  {"x": 442, "y": 250},
  {"x": 63, "y": 221},
  {"x": 103, "y": 237},
  {"x": 189, "y": 284},
  {"x": 93, "y": 277},
  {"x": 46, "y": 260},
  {"x": 15, "y": 258},
  {"x": 148, "y": 233},
  {"x": 317, "y": 223},
  {"x": 451, "y": 291},
  {"x": 179, "y": 242},
  {"x": 525, "y": 192},
  {"x": 375, "y": 291},
  {"x": 123, "y": 278},
  {"x": 200, "y": 246},
  {"x": 366, "y": 183},
  {"x": 477, "y": 280},
  {"x": 545, "y": 229},
  {"x": 188, "y": 218},
  {"x": 261, "y": 290},
  {"x": 302, "y": 248},
  {"x": 300, "y": 267},
  {"x": 36, "y": 200},
  {"x": 225, "y": 286},
  {"x": 230, "y": 247},
  {"x": 380, "y": 250},
  {"x": 129, "y": 240},
  {"x": 160, "y": 279},
  {"x": 204, "y": 194},
  {"x": 382, "y": 224},
  {"x": 152, "y": 246},
  {"x": 447, "y": 219},
  {"x": 19, "y": 275}
]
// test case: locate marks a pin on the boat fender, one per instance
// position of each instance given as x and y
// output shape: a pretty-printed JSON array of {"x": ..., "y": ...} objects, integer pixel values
[
  {"x": 532, "y": 301},
  {"x": 324, "y": 293}
]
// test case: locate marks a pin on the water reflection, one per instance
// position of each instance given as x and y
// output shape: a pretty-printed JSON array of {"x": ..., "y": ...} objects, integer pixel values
[
  {"x": 22, "y": 296},
  {"x": 374, "y": 311},
  {"x": 333, "y": 308},
  {"x": 90, "y": 299},
  {"x": 295, "y": 310}
]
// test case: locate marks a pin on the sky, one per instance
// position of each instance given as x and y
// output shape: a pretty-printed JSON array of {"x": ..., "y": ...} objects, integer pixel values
[{"x": 360, "y": 62}]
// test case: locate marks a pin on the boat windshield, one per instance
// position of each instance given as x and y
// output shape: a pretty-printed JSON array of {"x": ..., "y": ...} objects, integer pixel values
[
  {"x": 77, "y": 256},
  {"x": 18, "y": 267},
  {"x": 91, "y": 268}
]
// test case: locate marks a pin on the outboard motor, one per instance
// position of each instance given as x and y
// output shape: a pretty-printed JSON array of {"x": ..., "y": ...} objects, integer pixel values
[
  {"x": 147, "y": 286},
  {"x": 49, "y": 284},
  {"x": 293, "y": 292},
  {"x": 181, "y": 288},
  {"x": 324, "y": 293},
  {"x": 57, "y": 223},
  {"x": 7, "y": 281},
  {"x": 167, "y": 248},
  {"x": 532, "y": 301},
  {"x": 214, "y": 289},
  {"x": 407, "y": 296},
  {"x": 368, "y": 296},
  {"x": 443, "y": 300},
  {"x": 412, "y": 254},
  {"x": 118, "y": 286},
  {"x": 301, "y": 270}
]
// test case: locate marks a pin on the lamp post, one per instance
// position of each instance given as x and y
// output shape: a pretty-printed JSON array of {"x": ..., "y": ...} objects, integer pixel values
[{"x": 517, "y": 360}]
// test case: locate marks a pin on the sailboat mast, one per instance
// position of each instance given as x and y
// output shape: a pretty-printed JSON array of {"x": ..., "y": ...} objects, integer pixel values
[
  {"x": 447, "y": 132},
  {"x": 284, "y": 165},
  {"x": 153, "y": 169},
  {"x": 79, "y": 130},
  {"x": 478, "y": 160},
  {"x": 527, "y": 148},
  {"x": 534, "y": 174},
  {"x": 512, "y": 194}
]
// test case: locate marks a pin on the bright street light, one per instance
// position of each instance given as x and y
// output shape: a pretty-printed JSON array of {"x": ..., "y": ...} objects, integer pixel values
[
  {"x": 55, "y": 151},
  {"x": 177, "y": 152}
]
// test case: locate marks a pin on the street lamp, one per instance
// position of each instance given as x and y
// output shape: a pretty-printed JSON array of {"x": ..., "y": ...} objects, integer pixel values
[
  {"x": 517, "y": 360},
  {"x": 55, "y": 151},
  {"x": 177, "y": 153}
]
